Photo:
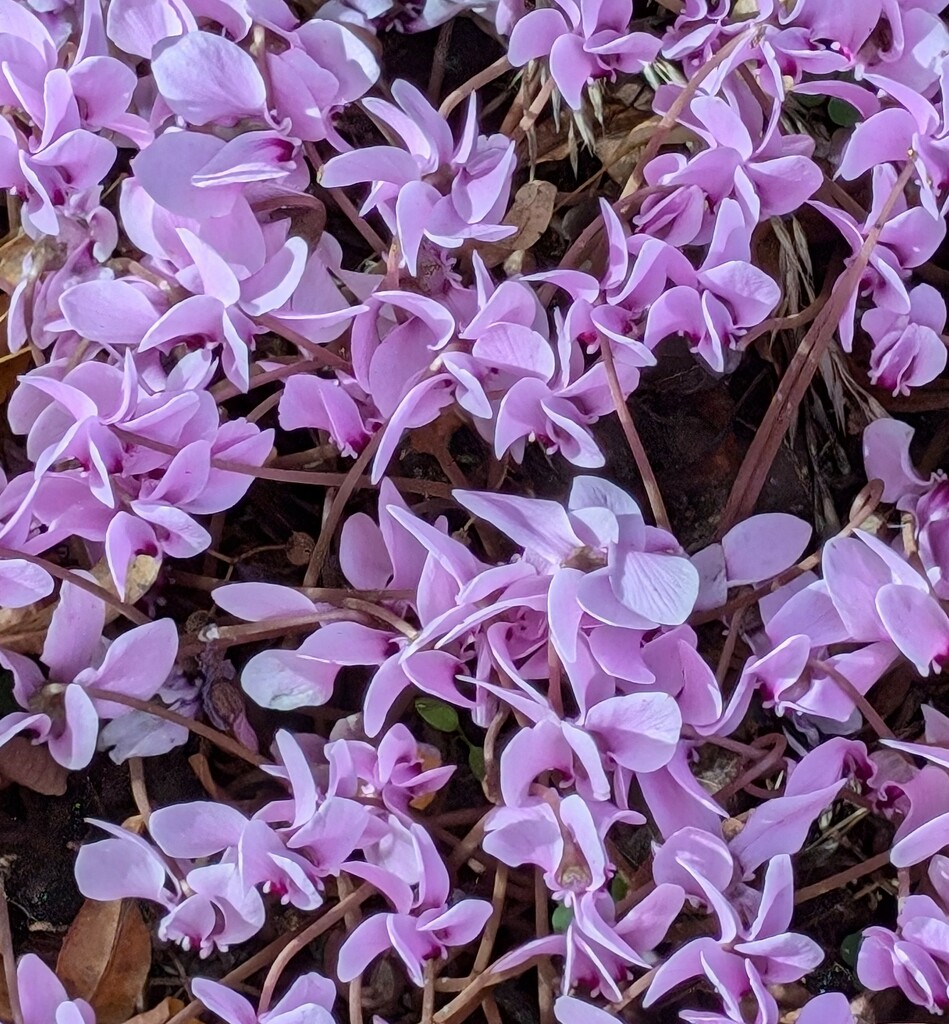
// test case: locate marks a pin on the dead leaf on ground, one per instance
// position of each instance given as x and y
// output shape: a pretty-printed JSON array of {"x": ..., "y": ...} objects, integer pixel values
[
  {"x": 12, "y": 364},
  {"x": 13, "y": 253},
  {"x": 530, "y": 213},
  {"x": 106, "y": 957},
  {"x": 31, "y": 766},
  {"x": 161, "y": 1013}
]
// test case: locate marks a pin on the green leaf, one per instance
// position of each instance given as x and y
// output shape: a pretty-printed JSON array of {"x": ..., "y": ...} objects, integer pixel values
[
  {"x": 476, "y": 762},
  {"x": 849, "y": 948},
  {"x": 618, "y": 888},
  {"x": 437, "y": 714},
  {"x": 843, "y": 113},
  {"x": 560, "y": 919}
]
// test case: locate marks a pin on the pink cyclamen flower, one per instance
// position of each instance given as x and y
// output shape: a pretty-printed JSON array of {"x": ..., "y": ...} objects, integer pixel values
[
  {"x": 584, "y": 40},
  {"x": 915, "y": 957},
  {"x": 763, "y": 954},
  {"x": 309, "y": 1000},
  {"x": 409, "y": 186},
  {"x": 423, "y": 927},
  {"x": 44, "y": 1000},
  {"x": 908, "y": 349},
  {"x": 77, "y": 658}
]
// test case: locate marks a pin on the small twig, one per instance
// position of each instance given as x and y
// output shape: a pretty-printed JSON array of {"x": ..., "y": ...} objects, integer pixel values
[
  {"x": 382, "y": 614},
  {"x": 139, "y": 788},
  {"x": 250, "y": 967},
  {"x": 9, "y": 956},
  {"x": 427, "y": 488},
  {"x": 428, "y": 992},
  {"x": 342, "y": 201},
  {"x": 467, "y": 846},
  {"x": 90, "y": 586},
  {"x": 864, "y": 506},
  {"x": 728, "y": 648},
  {"x": 793, "y": 386},
  {"x": 866, "y": 708},
  {"x": 761, "y": 768},
  {"x": 356, "y": 473},
  {"x": 842, "y": 878},
  {"x": 546, "y": 978},
  {"x": 462, "y": 1006},
  {"x": 634, "y": 991},
  {"x": 534, "y": 110},
  {"x": 650, "y": 482},
  {"x": 344, "y": 889},
  {"x": 681, "y": 102},
  {"x": 267, "y": 629},
  {"x": 302, "y": 939},
  {"x": 478, "y": 81},
  {"x": 219, "y": 739},
  {"x": 486, "y": 946}
]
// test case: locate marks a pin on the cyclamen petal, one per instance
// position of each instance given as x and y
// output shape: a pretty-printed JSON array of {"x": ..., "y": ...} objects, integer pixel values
[
  {"x": 205, "y": 77},
  {"x": 917, "y": 625}
]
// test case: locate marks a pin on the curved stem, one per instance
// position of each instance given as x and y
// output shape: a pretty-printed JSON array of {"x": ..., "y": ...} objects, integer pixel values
[{"x": 219, "y": 739}]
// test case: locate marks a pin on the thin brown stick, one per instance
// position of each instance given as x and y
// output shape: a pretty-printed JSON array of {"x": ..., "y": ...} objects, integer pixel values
[
  {"x": 864, "y": 507},
  {"x": 634, "y": 991},
  {"x": 9, "y": 956},
  {"x": 866, "y": 708},
  {"x": 466, "y": 1002},
  {"x": 427, "y": 488},
  {"x": 219, "y": 739},
  {"x": 490, "y": 73},
  {"x": 634, "y": 441},
  {"x": 546, "y": 978},
  {"x": 250, "y": 967},
  {"x": 486, "y": 946},
  {"x": 139, "y": 789},
  {"x": 322, "y": 547},
  {"x": 316, "y": 352},
  {"x": 224, "y": 389},
  {"x": 268, "y": 629},
  {"x": 428, "y": 993},
  {"x": 671, "y": 116},
  {"x": 305, "y": 937},
  {"x": 793, "y": 386},
  {"x": 130, "y": 612},
  {"x": 728, "y": 648},
  {"x": 842, "y": 878},
  {"x": 467, "y": 846},
  {"x": 343, "y": 889},
  {"x": 534, "y": 110}
]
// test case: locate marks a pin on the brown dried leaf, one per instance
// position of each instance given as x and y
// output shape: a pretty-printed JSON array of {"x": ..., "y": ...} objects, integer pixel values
[
  {"x": 106, "y": 957},
  {"x": 12, "y": 364},
  {"x": 13, "y": 253},
  {"x": 161, "y": 1013},
  {"x": 31, "y": 766},
  {"x": 530, "y": 213}
]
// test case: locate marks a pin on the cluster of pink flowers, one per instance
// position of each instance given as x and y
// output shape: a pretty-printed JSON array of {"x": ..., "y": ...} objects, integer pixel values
[{"x": 173, "y": 163}]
